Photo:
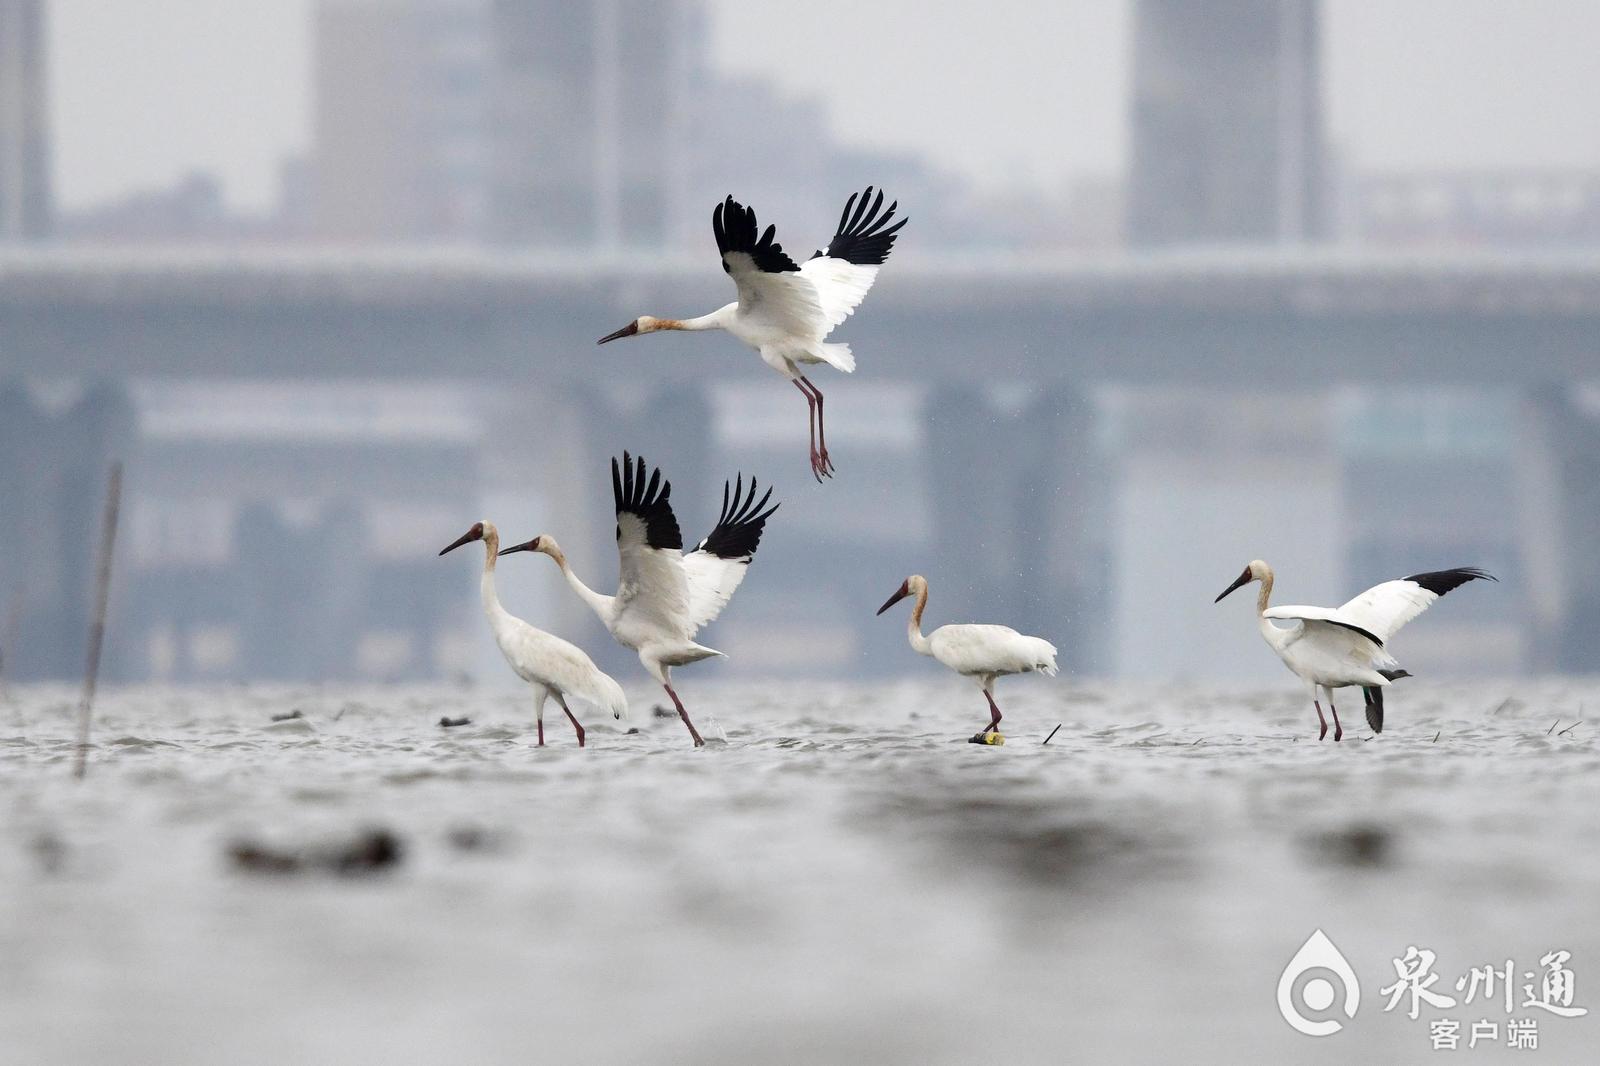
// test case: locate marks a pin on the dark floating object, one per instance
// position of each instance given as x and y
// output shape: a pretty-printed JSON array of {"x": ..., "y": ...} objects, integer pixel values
[
  {"x": 1355, "y": 845},
  {"x": 368, "y": 852},
  {"x": 451, "y": 723},
  {"x": 288, "y": 716},
  {"x": 50, "y": 851},
  {"x": 474, "y": 838},
  {"x": 659, "y": 711},
  {"x": 1053, "y": 732},
  {"x": 988, "y": 736}
]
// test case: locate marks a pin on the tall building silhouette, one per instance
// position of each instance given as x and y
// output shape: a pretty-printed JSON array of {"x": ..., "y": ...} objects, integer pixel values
[
  {"x": 591, "y": 140},
  {"x": 25, "y": 202},
  {"x": 401, "y": 148},
  {"x": 1227, "y": 142}
]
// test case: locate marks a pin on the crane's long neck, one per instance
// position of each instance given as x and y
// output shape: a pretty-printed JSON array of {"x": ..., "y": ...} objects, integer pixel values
[
  {"x": 497, "y": 614},
  {"x": 919, "y": 643},
  {"x": 1264, "y": 595},
  {"x": 1269, "y": 632},
  {"x": 600, "y": 604},
  {"x": 717, "y": 319}
]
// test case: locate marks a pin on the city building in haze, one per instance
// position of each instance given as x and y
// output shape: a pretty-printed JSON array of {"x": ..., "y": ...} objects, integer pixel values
[
  {"x": 401, "y": 135},
  {"x": 591, "y": 142},
  {"x": 25, "y": 203},
  {"x": 1227, "y": 141}
]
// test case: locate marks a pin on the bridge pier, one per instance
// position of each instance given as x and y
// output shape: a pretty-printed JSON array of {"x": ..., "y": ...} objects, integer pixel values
[
  {"x": 52, "y": 490},
  {"x": 1012, "y": 492},
  {"x": 1559, "y": 482}
]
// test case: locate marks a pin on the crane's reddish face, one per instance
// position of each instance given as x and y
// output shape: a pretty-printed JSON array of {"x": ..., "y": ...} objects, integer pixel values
[
  {"x": 626, "y": 331},
  {"x": 1244, "y": 579},
  {"x": 475, "y": 533},
  {"x": 901, "y": 593},
  {"x": 527, "y": 546}
]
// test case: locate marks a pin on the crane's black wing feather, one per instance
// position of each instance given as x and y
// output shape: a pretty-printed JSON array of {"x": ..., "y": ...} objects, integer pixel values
[
  {"x": 648, "y": 501},
  {"x": 737, "y": 231},
  {"x": 862, "y": 238}
]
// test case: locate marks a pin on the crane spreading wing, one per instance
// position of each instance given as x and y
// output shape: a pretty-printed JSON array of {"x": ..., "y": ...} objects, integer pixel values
[
  {"x": 1378, "y": 613},
  {"x": 1384, "y": 608},
  {"x": 1323, "y": 616},
  {"x": 843, "y": 274},
  {"x": 769, "y": 283},
  {"x": 649, "y": 545},
  {"x": 719, "y": 562}
]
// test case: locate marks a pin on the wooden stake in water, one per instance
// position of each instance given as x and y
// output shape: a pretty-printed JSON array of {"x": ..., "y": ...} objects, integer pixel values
[{"x": 97, "y": 624}]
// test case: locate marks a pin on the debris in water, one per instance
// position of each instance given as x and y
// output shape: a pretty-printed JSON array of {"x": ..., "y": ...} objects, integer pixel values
[
  {"x": 288, "y": 716},
  {"x": 988, "y": 736},
  {"x": 451, "y": 723},
  {"x": 367, "y": 852},
  {"x": 50, "y": 851},
  {"x": 663, "y": 712},
  {"x": 1053, "y": 732},
  {"x": 473, "y": 838},
  {"x": 1354, "y": 845}
]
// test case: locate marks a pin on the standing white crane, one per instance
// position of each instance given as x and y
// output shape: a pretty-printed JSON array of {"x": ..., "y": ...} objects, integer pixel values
[
  {"x": 785, "y": 311},
  {"x": 1334, "y": 647},
  {"x": 551, "y": 665},
  {"x": 981, "y": 652},
  {"x": 663, "y": 595}
]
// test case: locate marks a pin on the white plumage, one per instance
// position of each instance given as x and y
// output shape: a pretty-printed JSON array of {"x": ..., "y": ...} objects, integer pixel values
[
  {"x": 1335, "y": 647},
  {"x": 554, "y": 667},
  {"x": 785, "y": 310},
  {"x": 664, "y": 596},
  {"x": 981, "y": 652}
]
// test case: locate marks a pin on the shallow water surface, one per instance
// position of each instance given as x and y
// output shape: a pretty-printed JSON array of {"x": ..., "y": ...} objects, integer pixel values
[{"x": 844, "y": 879}]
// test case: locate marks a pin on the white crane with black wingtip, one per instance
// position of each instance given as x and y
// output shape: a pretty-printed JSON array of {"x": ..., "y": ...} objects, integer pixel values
[
  {"x": 665, "y": 595},
  {"x": 1335, "y": 647},
  {"x": 786, "y": 310},
  {"x": 554, "y": 667},
  {"x": 984, "y": 653}
]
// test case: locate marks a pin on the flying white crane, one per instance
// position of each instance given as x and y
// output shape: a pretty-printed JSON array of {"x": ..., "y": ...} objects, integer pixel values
[
  {"x": 981, "y": 652},
  {"x": 1334, "y": 647},
  {"x": 551, "y": 665},
  {"x": 785, "y": 311},
  {"x": 664, "y": 596}
]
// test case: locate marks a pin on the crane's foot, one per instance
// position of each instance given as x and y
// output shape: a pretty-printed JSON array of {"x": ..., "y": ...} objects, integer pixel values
[{"x": 820, "y": 466}]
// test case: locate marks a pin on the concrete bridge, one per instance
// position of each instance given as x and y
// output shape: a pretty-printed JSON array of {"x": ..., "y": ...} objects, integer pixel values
[
  {"x": 955, "y": 327},
  {"x": 1216, "y": 317}
]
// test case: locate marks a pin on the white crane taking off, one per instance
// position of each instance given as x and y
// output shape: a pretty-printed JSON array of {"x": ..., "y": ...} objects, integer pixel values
[
  {"x": 785, "y": 310},
  {"x": 664, "y": 596},
  {"x": 1334, "y": 647},
  {"x": 551, "y": 665},
  {"x": 981, "y": 652}
]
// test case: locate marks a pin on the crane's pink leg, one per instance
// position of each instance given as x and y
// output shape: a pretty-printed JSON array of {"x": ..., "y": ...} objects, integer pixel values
[
  {"x": 576, "y": 727},
  {"x": 1324, "y": 734},
  {"x": 811, "y": 409},
  {"x": 541, "y": 731},
  {"x": 1338, "y": 730},
  {"x": 994, "y": 711},
  {"x": 822, "y": 431},
  {"x": 676, "y": 702}
]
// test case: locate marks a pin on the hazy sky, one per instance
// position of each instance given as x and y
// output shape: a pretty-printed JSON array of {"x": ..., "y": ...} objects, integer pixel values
[{"x": 1004, "y": 92}]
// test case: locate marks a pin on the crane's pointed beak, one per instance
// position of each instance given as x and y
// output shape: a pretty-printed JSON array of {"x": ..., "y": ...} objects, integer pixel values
[
  {"x": 901, "y": 593},
  {"x": 1244, "y": 579},
  {"x": 626, "y": 331},
  {"x": 525, "y": 546},
  {"x": 475, "y": 533}
]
